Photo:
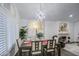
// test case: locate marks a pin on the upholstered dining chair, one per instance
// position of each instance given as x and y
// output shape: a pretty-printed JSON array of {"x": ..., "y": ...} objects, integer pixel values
[
  {"x": 44, "y": 47},
  {"x": 21, "y": 50},
  {"x": 55, "y": 37},
  {"x": 36, "y": 48},
  {"x": 51, "y": 46}
]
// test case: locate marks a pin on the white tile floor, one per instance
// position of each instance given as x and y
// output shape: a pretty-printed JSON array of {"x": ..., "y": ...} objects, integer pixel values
[{"x": 70, "y": 50}]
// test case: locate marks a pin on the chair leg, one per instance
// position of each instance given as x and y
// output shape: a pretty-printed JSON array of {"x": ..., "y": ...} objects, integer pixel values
[
  {"x": 30, "y": 53},
  {"x": 45, "y": 52},
  {"x": 19, "y": 53},
  {"x": 54, "y": 53}
]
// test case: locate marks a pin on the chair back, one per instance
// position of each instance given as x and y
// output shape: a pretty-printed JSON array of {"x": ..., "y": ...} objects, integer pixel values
[
  {"x": 51, "y": 44},
  {"x": 36, "y": 45},
  {"x": 55, "y": 37},
  {"x": 19, "y": 42},
  {"x": 54, "y": 43},
  {"x": 44, "y": 42},
  {"x": 28, "y": 42}
]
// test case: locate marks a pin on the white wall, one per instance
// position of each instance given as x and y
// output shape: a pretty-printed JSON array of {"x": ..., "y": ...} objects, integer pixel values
[
  {"x": 12, "y": 26},
  {"x": 31, "y": 32},
  {"x": 71, "y": 27},
  {"x": 16, "y": 19},
  {"x": 52, "y": 27},
  {"x": 76, "y": 31}
]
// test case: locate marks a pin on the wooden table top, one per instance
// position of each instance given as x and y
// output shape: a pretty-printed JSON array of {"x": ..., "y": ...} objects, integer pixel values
[{"x": 28, "y": 43}]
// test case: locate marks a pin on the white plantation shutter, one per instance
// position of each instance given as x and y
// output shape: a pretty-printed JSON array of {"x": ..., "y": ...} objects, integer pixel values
[{"x": 3, "y": 33}]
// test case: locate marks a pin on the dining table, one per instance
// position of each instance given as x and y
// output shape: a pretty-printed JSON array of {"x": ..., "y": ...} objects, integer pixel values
[{"x": 27, "y": 45}]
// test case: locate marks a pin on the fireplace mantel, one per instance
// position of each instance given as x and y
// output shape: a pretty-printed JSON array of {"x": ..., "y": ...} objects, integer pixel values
[{"x": 64, "y": 34}]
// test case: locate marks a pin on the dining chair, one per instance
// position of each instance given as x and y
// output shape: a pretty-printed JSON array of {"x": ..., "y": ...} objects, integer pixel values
[
  {"x": 55, "y": 37},
  {"x": 36, "y": 48},
  {"x": 44, "y": 47},
  {"x": 51, "y": 47},
  {"x": 21, "y": 50}
]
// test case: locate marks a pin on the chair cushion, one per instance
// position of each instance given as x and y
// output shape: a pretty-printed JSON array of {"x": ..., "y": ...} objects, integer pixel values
[
  {"x": 25, "y": 50},
  {"x": 37, "y": 52},
  {"x": 44, "y": 42},
  {"x": 28, "y": 43},
  {"x": 50, "y": 50}
]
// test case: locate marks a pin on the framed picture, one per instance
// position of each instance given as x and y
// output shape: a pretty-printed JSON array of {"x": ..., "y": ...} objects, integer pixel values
[{"x": 62, "y": 27}]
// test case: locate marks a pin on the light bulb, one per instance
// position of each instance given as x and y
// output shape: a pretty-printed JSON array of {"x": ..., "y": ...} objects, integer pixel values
[{"x": 70, "y": 15}]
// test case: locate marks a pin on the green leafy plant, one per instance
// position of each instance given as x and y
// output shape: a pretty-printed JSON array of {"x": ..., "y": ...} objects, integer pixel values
[
  {"x": 39, "y": 35},
  {"x": 23, "y": 31}
]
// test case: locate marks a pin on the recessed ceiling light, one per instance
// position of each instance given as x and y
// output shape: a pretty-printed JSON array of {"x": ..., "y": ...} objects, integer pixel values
[{"x": 70, "y": 15}]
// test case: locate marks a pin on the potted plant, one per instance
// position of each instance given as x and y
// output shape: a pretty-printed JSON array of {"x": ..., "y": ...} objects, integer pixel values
[
  {"x": 23, "y": 32},
  {"x": 40, "y": 35}
]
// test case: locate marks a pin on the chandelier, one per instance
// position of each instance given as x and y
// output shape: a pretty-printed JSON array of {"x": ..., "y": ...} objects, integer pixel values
[
  {"x": 37, "y": 24},
  {"x": 40, "y": 14}
]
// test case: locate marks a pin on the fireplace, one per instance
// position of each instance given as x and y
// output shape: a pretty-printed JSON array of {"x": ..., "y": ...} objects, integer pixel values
[{"x": 63, "y": 38}]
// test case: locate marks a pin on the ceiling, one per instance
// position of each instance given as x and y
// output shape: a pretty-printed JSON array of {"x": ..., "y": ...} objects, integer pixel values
[{"x": 52, "y": 11}]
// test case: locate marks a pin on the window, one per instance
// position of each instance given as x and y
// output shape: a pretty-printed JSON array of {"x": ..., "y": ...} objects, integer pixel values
[{"x": 3, "y": 33}]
